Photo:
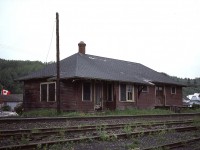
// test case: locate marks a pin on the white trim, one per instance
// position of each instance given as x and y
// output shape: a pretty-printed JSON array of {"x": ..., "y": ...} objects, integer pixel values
[
  {"x": 47, "y": 83},
  {"x": 133, "y": 94},
  {"x": 175, "y": 90}
]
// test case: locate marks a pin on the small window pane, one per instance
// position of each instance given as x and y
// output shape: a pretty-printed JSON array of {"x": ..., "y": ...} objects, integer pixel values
[
  {"x": 144, "y": 88},
  {"x": 86, "y": 91},
  {"x": 44, "y": 92},
  {"x": 129, "y": 92},
  {"x": 173, "y": 90},
  {"x": 123, "y": 92},
  {"x": 52, "y": 92}
]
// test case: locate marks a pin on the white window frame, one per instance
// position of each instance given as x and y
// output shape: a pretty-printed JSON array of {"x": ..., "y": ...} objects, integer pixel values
[
  {"x": 172, "y": 88},
  {"x": 47, "y": 83},
  {"x": 133, "y": 94},
  {"x": 90, "y": 92}
]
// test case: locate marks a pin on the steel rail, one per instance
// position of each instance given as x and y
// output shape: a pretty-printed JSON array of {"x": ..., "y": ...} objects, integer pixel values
[
  {"x": 174, "y": 145},
  {"x": 50, "y": 131},
  {"x": 48, "y": 143},
  {"x": 97, "y": 117}
]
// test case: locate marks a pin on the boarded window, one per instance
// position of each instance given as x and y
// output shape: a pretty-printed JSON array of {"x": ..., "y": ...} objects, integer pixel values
[
  {"x": 47, "y": 92},
  {"x": 86, "y": 91},
  {"x": 123, "y": 92},
  {"x": 44, "y": 92},
  {"x": 52, "y": 92},
  {"x": 110, "y": 92}
]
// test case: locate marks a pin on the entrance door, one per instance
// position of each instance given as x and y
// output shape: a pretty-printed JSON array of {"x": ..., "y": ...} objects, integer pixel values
[
  {"x": 98, "y": 97},
  {"x": 160, "y": 97}
]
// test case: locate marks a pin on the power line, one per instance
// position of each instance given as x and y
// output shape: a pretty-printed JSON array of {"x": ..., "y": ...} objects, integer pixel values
[{"x": 51, "y": 40}]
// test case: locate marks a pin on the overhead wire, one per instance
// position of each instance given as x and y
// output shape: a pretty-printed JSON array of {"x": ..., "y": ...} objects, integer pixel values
[{"x": 50, "y": 41}]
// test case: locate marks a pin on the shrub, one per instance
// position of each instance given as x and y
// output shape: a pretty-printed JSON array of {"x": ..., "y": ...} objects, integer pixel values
[
  {"x": 6, "y": 108},
  {"x": 195, "y": 106},
  {"x": 19, "y": 109}
]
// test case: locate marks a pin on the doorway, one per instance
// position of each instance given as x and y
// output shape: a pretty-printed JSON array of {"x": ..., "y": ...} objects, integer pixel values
[
  {"x": 160, "y": 97},
  {"x": 98, "y": 97}
]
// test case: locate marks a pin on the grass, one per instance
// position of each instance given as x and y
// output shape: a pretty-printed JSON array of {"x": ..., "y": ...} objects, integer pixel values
[
  {"x": 53, "y": 113},
  {"x": 191, "y": 110},
  {"x": 134, "y": 111}
]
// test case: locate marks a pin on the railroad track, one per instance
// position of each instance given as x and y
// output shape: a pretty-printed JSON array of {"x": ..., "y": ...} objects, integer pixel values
[
  {"x": 175, "y": 145},
  {"x": 122, "y": 135},
  {"x": 44, "y": 133},
  {"x": 88, "y": 128},
  {"x": 16, "y": 120},
  {"x": 56, "y": 131}
]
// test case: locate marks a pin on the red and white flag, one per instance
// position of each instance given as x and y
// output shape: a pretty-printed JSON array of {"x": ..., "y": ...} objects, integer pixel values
[{"x": 5, "y": 92}]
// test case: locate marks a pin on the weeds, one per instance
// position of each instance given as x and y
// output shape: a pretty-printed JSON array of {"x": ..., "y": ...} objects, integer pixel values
[
  {"x": 102, "y": 133},
  {"x": 134, "y": 145},
  {"x": 35, "y": 131},
  {"x": 24, "y": 140},
  {"x": 127, "y": 129}
]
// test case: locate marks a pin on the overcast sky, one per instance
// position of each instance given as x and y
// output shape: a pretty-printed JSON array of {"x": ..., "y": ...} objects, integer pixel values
[{"x": 161, "y": 34}]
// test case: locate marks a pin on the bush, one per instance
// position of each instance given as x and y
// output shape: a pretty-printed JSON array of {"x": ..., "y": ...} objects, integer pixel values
[
  {"x": 195, "y": 106},
  {"x": 19, "y": 109},
  {"x": 6, "y": 108}
]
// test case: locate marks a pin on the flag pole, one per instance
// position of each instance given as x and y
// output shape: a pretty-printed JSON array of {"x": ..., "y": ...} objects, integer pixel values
[{"x": 58, "y": 65}]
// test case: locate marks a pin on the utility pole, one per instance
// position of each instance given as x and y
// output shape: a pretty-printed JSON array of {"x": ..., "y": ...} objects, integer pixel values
[{"x": 58, "y": 65}]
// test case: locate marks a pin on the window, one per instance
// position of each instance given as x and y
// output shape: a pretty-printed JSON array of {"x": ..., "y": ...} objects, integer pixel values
[
  {"x": 159, "y": 88},
  {"x": 126, "y": 92},
  {"x": 145, "y": 88},
  {"x": 129, "y": 92},
  {"x": 48, "y": 92},
  {"x": 109, "y": 92},
  {"x": 86, "y": 91},
  {"x": 173, "y": 90}
]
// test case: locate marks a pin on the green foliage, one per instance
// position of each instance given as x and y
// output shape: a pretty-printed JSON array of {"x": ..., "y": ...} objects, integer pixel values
[
  {"x": 40, "y": 113},
  {"x": 6, "y": 108},
  {"x": 134, "y": 145},
  {"x": 13, "y": 69},
  {"x": 193, "y": 85},
  {"x": 19, "y": 109},
  {"x": 135, "y": 111}
]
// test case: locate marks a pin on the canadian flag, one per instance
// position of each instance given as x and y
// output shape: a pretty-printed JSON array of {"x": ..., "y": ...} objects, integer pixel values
[{"x": 5, "y": 92}]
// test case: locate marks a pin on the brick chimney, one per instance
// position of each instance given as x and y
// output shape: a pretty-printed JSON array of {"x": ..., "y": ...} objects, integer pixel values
[{"x": 81, "y": 46}]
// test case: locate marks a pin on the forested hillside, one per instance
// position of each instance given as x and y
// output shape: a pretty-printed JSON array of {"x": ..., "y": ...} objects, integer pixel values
[
  {"x": 13, "y": 69},
  {"x": 193, "y": 85}
]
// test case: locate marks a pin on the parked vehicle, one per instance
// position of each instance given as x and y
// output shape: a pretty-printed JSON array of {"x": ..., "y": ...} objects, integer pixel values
[{"x": 197, "y": 102}]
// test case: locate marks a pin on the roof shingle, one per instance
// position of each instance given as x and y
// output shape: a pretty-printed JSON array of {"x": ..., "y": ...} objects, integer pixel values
[{"x": 95, "y": 67}]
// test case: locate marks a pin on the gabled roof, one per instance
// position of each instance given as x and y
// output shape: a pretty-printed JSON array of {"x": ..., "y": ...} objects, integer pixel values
[{"x": 94, "y": 67}]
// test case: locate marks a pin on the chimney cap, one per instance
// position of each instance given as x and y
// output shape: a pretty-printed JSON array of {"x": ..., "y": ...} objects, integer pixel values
[{"x": 81, "y": 43}]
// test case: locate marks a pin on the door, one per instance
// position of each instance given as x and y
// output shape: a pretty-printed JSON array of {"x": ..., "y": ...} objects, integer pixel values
[
  {"x": 160, "y": 97},
  {"x": 98, "y": 96}
]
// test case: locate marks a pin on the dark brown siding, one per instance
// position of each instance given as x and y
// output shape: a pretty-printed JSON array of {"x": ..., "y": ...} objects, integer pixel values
[
  {"x": 32, "y": 96},
  {"x": 174, "y": 99},
  {"x": 85, "y": 106},
  {"x": 147, "y": 99},
  {"x": 71, "y": 96}
]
